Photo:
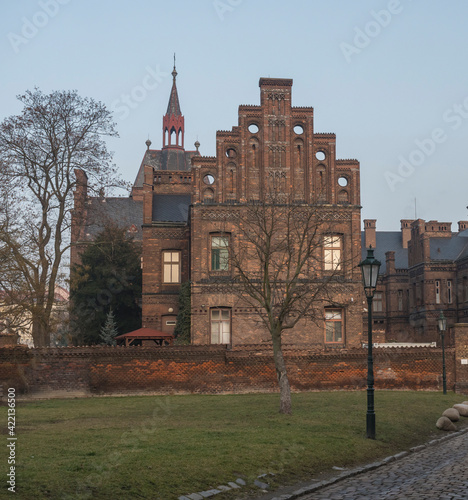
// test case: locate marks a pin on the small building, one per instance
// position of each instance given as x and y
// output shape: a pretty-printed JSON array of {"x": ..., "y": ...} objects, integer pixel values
[{"x": 146, "y": 337}]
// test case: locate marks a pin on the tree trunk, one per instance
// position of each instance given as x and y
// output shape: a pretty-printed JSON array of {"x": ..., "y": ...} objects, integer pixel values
[
  {"x": 40, "y": 333},
  {"x": 283, "y": 381}
]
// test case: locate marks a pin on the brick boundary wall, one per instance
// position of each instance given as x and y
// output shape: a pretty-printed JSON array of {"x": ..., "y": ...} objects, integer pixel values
[{"x": 214, "y": 369}]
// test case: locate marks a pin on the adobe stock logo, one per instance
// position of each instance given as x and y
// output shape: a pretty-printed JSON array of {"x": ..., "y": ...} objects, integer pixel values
[
  {"x": 126, "y": 102},
  {"x": 31, "y": 27},
  {"x": 223, "y": 6},
  {"x": 372, "y": 29},
  {"x": 427, "y": 146}
]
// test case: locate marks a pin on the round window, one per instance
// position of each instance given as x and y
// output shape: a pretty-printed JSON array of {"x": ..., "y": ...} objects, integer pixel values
[
  {"x": 320, "y": 155},
  {"x": 342, "y": 181},
  {"x": 298, "y": 129},
  {"x": 208, "y": 179},
  {"x": 253, "y": 128}
]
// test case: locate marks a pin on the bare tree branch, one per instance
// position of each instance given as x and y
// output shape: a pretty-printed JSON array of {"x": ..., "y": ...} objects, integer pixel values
[
  {"x": 39, "y": 151},
  {"x": 277, "y": 265}
]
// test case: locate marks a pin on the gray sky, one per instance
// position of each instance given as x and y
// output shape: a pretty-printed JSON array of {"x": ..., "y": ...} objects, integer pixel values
[{"x": 390, "y": 78}]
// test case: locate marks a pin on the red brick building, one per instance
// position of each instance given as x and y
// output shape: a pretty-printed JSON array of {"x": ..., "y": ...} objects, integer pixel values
[
  {"x": 187, "y": 204},
  {"x": 188, "y": 213},
  {"x": 424, "y": 271}
]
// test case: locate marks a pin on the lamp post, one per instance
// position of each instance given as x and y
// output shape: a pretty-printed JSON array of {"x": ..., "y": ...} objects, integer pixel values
[
  {"x": 370, "y": 272},
  {"x": 442, "y": 327}
]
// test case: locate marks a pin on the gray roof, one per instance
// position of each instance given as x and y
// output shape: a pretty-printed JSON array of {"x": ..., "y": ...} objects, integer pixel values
[
  {"x": 453, "y": 248},
  {"x": 171, "y": 207},
  {"x": 387, "y": 241},
  {"x": 165, "y": 159},
  {"x": 124, "y": 212}
]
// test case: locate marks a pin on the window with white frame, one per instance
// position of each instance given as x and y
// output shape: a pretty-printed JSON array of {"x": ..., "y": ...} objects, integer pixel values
[
  {"x": 219, "y": 253},
  {"x": 333, "y": 326},
  {"x": 220, "y": 326},
  {"x": 437, "y": 291},
  {"x": 332, "y": 247},
  {"x": 171, "y": 267}
]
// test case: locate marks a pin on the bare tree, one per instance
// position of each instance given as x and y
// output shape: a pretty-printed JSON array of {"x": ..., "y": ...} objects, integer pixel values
[
  {"x": 39, "y": 150},
  {"x": 277, "y": 265}
]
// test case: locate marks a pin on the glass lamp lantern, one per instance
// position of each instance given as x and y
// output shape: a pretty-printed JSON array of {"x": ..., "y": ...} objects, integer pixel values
[{"x": 370, "y": 272}]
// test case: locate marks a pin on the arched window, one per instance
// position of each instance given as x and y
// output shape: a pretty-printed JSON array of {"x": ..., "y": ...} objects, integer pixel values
[{"x": 343, "y": 196}]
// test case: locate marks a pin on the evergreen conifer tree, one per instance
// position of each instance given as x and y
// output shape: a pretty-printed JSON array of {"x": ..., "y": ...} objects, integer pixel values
[{"x": 109, "y": 330}]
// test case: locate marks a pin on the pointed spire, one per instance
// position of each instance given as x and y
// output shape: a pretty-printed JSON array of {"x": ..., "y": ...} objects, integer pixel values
[
  {"x": 173, "y": 108},
  {"x": 173, "y": 121}
]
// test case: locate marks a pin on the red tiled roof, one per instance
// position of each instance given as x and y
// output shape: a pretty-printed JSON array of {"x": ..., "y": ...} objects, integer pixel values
[{"x": 146, "y": 333}]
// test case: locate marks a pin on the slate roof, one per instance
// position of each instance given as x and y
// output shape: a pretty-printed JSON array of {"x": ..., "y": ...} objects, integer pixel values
[
  {"x": 171, "y": 207},
  {"x": 387, "y": 241},
  {"x": 454, "y": 248},
  {"x": 165, "y": 159},
  {"x": 124, "y": 212}
]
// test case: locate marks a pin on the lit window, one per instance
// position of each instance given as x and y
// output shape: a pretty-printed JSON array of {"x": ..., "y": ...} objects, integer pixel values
[
  {"x": 220, "y": 326},
  {"x": 377, "y": 303},
  {"x": 437, "y": 291},
  {"x": 332, "y": 253},
  {"x": 333, "y": 326},
  {"x": 171, "y": 267},
  {"x": 219, "y": 253}
]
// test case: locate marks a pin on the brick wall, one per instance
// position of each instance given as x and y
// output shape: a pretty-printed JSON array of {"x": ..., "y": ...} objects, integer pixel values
[{"x": 215, "y": 369}]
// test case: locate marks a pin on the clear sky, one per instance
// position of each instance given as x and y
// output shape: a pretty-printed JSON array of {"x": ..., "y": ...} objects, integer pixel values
[{"x": 389, "y": 77}]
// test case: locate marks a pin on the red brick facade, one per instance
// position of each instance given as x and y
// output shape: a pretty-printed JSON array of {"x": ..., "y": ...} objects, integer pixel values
[
  {"x": 273, "y": 143},
  {"x": 180, "y": 201}
]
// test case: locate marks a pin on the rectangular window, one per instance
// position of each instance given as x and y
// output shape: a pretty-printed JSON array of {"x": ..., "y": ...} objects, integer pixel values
[
  {"x": 333, "y": 325},
  {"x": 219, "y": 253},
  {"x": 377, "y": 303},
  {"x": 400, "y": 300},
  {"x": 220, "y": 326},
  {"x": 449, "y": 292},
  {"x": 332, "y": 253},
  {"x": 437, "y": 291},
  {"x": 171, "y": 267}
]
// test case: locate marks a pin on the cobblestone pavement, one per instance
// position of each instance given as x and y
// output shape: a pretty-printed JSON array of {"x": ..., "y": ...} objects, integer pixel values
[{"x": 437, "y": 472}]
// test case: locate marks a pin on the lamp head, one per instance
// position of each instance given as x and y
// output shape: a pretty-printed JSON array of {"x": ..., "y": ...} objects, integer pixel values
[
  {"x": 442, "y": 321},
  {"x": 370, "y": 272}
]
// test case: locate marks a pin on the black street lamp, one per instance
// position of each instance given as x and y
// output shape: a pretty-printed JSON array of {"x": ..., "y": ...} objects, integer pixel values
[
  {"x": 442, "y": 327},
  {"x": 370, "y": 272}
]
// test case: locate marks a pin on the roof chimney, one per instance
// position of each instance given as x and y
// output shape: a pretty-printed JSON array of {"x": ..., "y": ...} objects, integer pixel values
[
  {"x": 405, "y": 231},
  {"x": 390, "y": 262},
  {"x": 369, "y": 232},
  {"x": 462, "y": 225}
]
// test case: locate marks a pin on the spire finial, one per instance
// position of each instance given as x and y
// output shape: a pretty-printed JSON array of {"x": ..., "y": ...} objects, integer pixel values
[{"x": 174, "y": 72}]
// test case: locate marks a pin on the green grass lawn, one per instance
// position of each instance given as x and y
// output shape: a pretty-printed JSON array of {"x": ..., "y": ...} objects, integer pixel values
[{"x": 161, "y": 447}]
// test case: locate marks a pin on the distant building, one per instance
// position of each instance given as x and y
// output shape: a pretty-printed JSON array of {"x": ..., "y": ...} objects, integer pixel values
[
  {"x": 16, "y": 323},
  {"x": 424, "y": 271}
]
